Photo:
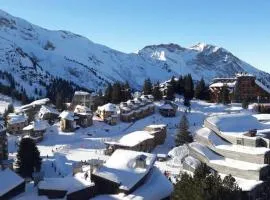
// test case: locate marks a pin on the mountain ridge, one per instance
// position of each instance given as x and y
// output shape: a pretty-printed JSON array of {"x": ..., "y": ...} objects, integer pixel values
[{"x": 35, "y": 56}]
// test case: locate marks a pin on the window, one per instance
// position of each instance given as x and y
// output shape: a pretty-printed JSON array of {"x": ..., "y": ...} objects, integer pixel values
[{"x": 239, "y": 141}]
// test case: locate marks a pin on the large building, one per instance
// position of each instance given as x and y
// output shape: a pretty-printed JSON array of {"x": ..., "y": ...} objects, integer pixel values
[
  {"x": 236, "y": 144},
  {"x": 241, "y": 87},
  {"x": 137, "y": 108},
  {"x": 145, "y": 140}
]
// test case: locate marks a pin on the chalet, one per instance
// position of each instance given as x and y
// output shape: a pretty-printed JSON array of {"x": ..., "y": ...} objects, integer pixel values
[
  {"x": 81, "y": 98},
  {"x": 131, "y": 175},
  {"x": 136, "y": 141},
  {"x": 108, "y": 113},
  {"x": 78, "y": 186},
  {"x": 241, "y": 87},
  {"x": 11, "y": 184},
  {"x": 137, "y": 108},
  {"x": 33, "y": 108},
  {"x": 168, "y": 109},
  {"x": 36, "y": 130},
  {"x": 159, "y": 131},
  {"x": 146, "y": 140},
  {"x": 67, "y": 121},
  {"x": 16, "y": 122},
  {"x": 124, "y": 172},
  {"x": 48, "y": 113},
  {"x": 84, "y": 116},
  {"x": 3, "y": 143}
]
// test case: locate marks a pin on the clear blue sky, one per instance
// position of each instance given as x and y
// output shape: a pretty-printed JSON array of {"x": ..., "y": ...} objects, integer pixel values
[{"x": 241, "y": 26}]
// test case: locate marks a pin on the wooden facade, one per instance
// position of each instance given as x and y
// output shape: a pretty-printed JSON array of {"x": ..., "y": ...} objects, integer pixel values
[{"x": 243, "y": 87}]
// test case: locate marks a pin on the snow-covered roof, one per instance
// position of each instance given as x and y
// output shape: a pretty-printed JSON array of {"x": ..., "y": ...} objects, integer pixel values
[
  {"x": 109, "y": 107},
  {"x": 191, "y": 161},
  {"x": 4, "y": 106},
  {"x": 223, "y": 161},
  {"x": 37, "y": 125},
  {"x": 47, "y": 109},
  {"x": 38, "y": 102},
  {"x": 219, "y": 143},
  {"x": 262, "y": 117},
  {"x": 14, "y": 118},
  {"x": 221, "y": 84},
  {"x": 81, "y": 93},
  {"x": 68, "y": 183},
  {"x": 166, "y": 106},
  {"x": 236, "y": 123},
  {"x": 156, "y": 126},
  {"x": 9, "y": 180},
  {"x": 121, "y": 168},
  {"x": 156, "y": 181},
  {"x": 67, "y": 115},
  {"x": 134, "y": 138},
  {"x": 82, "y": 109}
]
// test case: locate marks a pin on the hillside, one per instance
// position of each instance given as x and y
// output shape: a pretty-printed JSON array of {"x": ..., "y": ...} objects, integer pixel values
[{"x": 35, "y": 56}]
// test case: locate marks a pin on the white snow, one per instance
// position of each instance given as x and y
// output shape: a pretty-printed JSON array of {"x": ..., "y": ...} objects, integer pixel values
[
  {"x": 67, "y": 115},
  {"x": 219, "y": 160},
  {"x": 134, "y": 138},
  {"x": 121, "y": 168},
  {"x": 109, "y": 107},
  {"x": 14, "y": 118},
  {"x": 9, "y": 180}
]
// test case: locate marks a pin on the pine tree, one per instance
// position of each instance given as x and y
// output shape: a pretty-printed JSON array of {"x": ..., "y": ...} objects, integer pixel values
[
  {"x": 126, "y": 90},
  {"x": 59, "y": 101},
  {"x": 156, "y": 92},
  {"x": 170, "y": 93},
  {"x": 200, "y": 90},
  {"x": 183, "y": 135},
  {"x": 28, "y": 158},
  {"x": 225, "y": 99},
  {"x": 180, "y": 85},
  {"x": 108, "y": 93},
  {"x": 205, "y": 185},
  {"x": 245, "y": 104},
  {"x": 173, "y": 84},
  {"x": 116, "y": 93},
  {"x": 147, "y": 87},
  {"x": 188, "y": 87}
]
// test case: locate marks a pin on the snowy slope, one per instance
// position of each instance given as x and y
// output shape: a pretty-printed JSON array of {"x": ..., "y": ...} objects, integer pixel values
[
  {"x": 201, "y": 60},
  {"x": 35, "y": 56}
]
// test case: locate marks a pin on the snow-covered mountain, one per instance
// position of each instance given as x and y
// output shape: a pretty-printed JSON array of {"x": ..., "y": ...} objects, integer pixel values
[{"x": 35, "y": 56}]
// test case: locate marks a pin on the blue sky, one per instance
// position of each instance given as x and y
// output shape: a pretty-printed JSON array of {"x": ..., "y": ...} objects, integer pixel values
[{"x": 241, "y": 26}]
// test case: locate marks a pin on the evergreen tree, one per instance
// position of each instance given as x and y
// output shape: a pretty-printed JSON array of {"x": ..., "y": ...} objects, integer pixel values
[
  {"x": 126, "y": 92},
  {"x": 186, "y": 102},
  {"x": 116, "y": 93},
  {"x": 224, "y": 95},
  {"x": 245, "y": 104},
  {"x": 180, "y": 86},
  {"x": 170, "y": 93},
  {"x": 200, "y": 90},
  {"x": 173, "y": 83},
  {"x": 183, "y": 135},
  {"x": 188, "y": 87},
  {"x": 28, "y": 158},
  {"x": 156, "y": 92},
  {"x": 108, "y": 93},
  {"x": 206, "y": 186},
  {"x": 147, "y": 87},
  {"x": 59, "y": 101}
]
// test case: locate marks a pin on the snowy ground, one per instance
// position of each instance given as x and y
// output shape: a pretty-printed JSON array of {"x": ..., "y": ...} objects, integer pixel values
[{"x": 63, "y": 149}]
